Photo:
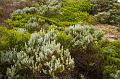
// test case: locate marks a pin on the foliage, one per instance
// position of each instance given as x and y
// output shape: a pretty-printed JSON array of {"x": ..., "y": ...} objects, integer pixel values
[
  {"x": 48, "y": 8},
  {"x": 61, "y": 46},
  {"x": 13, "y": 38},
  {"x": 22, "y": 18},
  {"x": 51, "y": 12},
  {"x": 102, "y": 5},
  {"x": 75, "y": 10},
  {"x": 114, "y": 17},
  {"x": 84, "y": 43},
  {"x": 107, "y": 11},
  {"x": 83, "y": 35},
  {"x": 116, "y": 75},
  {"x": 29, "y": 19},
  {"x": 110, "y": 17},
  {"x": 103, "y": 17},
  {"x": 42, "y": 55},
  {"x": 112, "y": 53}
]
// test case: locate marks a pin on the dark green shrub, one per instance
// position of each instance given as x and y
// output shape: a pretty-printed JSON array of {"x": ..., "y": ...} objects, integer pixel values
[
  {"x": 116, "y": 45},
  {"x": 27, "y": 21}
]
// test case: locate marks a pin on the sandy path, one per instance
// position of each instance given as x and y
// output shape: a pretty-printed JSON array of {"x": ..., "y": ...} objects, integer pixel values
[{"x": 111, "y": 32}]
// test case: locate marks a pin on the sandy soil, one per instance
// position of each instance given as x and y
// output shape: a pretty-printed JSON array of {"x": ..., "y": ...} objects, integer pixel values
[{"x": 111, "y": 32}]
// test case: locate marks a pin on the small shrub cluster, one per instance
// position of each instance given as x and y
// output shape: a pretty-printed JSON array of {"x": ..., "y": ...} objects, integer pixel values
[
  {"x": 29, "y": 22},
  {"x": 85, "y": 47},
  {"x": 116, "y": 75},
  {"x": 42, "y": 55},
  {"x": 51, "y": 13},
  {"x": 112, "y": 53},
  {"x": 110, "y": 17},
  {"x": 75, "y": 10},
  {"x": 102, "y": 5},
  {"x": 107, "y": 11},
  {"x": 8, "y": 6},
  {"x": 13, "y": 38}
]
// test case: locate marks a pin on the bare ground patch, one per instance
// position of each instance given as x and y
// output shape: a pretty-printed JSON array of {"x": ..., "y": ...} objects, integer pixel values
[{"x": 111, "y": 32}]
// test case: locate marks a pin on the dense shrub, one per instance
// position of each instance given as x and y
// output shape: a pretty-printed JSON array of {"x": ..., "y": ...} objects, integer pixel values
[
  {"x": 110, "y": 17},
  {"x": 116, "y": 75},
  {"x": 114, "y": 17},
  {"x": 107, "y": 11},
  {"x": 102, "y": 5},
  {"x": 75, "y": 10},
  {"x": 102, "y": 17},
  {"x": 74, "y": 52},
  {"x": 93, "y": 55},
  {"x": 42, "y": 55},
  {"x": 29, "y": 19},
  {"x": 13, "y": 38},
  {"x": 48, "y": 8},
  {"x": 112, "y": 53},
  {"x": 8, "y": 6},
  {"x": 84, "y": 43},
  {"x": 59, "y": 13}
]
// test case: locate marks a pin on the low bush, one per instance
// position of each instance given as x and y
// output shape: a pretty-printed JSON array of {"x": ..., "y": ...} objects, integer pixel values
[
  {"x": 13, "y": 38},
  {"x": 107, "y": 11},
  {"x": 112, "y": 58},
  {"x": 116, "y": 75},
  {"x": 102, "y": 17},
  {"x": 75, "y": 11},
  {"x": 102, "y": 5},
  {"x": 93, "y": 56},
  {"x": 42, "y": 58},
  {"x": 84, "y": 43},
  {"x": 114, "y": 17},
  {"x": 110, "y": 17},
  {"x": 59, "y": 13}
]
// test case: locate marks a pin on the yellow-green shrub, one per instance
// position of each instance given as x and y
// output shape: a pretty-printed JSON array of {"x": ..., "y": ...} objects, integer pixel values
[
  {"x": 75, "y": 10},
  {"x": 12, "y": 39}
]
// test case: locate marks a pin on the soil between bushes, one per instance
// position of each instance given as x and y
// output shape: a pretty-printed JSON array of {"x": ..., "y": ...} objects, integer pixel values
[{"x": 112, "y": 33}]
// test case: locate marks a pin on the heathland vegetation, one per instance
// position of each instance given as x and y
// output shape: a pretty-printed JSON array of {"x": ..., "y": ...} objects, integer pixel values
[{"x": 58, "y": 39}]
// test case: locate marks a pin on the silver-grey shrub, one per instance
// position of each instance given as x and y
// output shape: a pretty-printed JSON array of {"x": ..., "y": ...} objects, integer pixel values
[{"x": 42, "y": 55}]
